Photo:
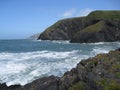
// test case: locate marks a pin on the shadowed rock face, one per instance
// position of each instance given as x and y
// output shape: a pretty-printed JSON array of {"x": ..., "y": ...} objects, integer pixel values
[
  {"x": 13, "y": 87},
  {"x": 62, "y": 30},
  {"x": 101, "y": 72},
  {"x": 105, "y": 26},
  {"x": 45, "y": 83},
  {"x": 102, "y": 31}
]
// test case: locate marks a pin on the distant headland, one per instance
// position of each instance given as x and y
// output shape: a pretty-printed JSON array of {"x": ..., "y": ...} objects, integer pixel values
[{"x": 98, "y": 26}]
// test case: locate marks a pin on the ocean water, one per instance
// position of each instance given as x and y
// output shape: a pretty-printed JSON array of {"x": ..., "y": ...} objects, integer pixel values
[{"x": 22, "y": 61}]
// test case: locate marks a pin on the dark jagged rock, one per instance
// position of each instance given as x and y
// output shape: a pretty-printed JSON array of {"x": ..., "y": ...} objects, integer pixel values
[
  {"x": 13, "y": 87},
  {"x": 118, "y": 49},
  {"x": 101, "y": 72},
  {"x": 96, "y": 27},
  {"x": 45, "y": 83}
]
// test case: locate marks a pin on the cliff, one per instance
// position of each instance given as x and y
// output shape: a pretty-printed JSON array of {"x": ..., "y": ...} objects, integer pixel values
[
  {"x": 62, "y": 30},
  {"x": 34, "y": 36},
  {"x": 98, "y": 26},
  {"x": 101, "y": 72}
]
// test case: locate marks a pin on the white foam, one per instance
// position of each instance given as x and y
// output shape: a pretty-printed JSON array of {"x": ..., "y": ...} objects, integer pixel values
[
  {"x": 102, "y": 43},
  {"x": 98, "y": 50},
  {"x": 98, "y": 43},
  {"x": 22, "y": 68},
  {"x": 55, "y": 41},
  {"x": 31, "y": 55},
  {"x": 61, "y": 41}
]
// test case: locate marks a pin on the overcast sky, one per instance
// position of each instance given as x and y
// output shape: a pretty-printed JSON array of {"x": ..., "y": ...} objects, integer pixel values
[{"x": 22, "y": 18}]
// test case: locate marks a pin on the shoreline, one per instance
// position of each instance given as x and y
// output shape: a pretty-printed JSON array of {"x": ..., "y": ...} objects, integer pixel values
[{"x": 88, "y": 74}]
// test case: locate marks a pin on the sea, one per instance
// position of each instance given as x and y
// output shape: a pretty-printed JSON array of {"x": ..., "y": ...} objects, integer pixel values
[{"x": 22, "y": 61}]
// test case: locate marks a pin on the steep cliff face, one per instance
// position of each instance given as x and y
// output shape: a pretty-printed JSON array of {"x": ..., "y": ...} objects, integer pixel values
[
  {"x": 101, "y": 31},
  {"x": 101, "y": 72},
  {"x": 63, "y": 29},
  {"x": 97, "y": 26}
]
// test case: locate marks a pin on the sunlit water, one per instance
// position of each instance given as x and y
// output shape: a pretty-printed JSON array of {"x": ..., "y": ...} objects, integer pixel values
[{"x": 22, "y": 61}]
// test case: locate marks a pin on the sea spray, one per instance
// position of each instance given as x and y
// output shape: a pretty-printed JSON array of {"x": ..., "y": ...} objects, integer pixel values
[{"x": 22, "y": 61}]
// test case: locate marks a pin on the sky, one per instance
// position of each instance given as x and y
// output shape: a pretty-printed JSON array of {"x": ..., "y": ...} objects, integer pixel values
[{"x": 20, "y": 19}]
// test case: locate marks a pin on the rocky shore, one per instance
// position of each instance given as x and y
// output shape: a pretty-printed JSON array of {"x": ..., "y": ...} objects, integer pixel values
[{"x": 101, "y": 72}]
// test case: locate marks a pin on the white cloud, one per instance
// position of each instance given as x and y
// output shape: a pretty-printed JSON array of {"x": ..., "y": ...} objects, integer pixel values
[
  {"x": 84, "y": 12},
  {"x": 75, "y": 13},
  {"x": 69, "y": 13}
]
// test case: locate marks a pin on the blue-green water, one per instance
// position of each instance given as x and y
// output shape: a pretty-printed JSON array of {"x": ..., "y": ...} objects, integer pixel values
[{"x": 22, "y": 61}]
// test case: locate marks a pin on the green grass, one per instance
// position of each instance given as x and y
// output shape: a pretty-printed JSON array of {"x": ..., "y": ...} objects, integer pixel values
[
  {"x": 78, "y": 86},
  {"x": 108, "y": 84},
  {"x": 117, "y": 74},
  {"x": 94, "y": 28},
  {"x": 116, "y": 66},
  {"x": 107, "y": 15}
]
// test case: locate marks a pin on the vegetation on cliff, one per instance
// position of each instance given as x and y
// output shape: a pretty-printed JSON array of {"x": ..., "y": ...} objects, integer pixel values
[
  {"x": 106, "y": 22},
  {"x": 106, "y": 15},
  {"x": 97, "y": 73},
  {"x": 62, "y": 30}
]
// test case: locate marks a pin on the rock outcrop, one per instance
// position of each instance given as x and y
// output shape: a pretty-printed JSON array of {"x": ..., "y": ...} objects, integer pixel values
[
  {"x": 101, "y": 72},
  {"x": 102, "y": 31},
  {"x": 96, "y": 27},
  {"x": 62, "y": 30},
  {"x": 34, "y": 36}
]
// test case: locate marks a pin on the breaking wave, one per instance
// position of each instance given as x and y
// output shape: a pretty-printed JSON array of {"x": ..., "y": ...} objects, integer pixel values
[{"x": 22, "y": 68}]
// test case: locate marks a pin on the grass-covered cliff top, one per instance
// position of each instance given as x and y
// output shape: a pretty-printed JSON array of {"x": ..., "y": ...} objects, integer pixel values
[
  {"x": 104, "y": 15},
  {"x": 98, "y": 14}
]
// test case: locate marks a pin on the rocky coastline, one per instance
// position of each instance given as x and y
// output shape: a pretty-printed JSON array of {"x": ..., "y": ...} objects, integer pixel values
[
  {"x": 98, "y": 26},
  {"x": 101, "y": 72}
]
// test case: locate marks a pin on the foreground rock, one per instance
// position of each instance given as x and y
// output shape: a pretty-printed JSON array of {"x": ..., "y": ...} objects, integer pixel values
[
  {"x": 98, "y": 26},
  {"x": 46, "y": 83},
  {"x": 101, "y": 72}
]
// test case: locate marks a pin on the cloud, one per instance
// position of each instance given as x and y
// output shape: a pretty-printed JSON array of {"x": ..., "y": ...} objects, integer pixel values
[
  {"x": 75, "y": 13},
  {"x": 84, "y": 12},
  {"x": 69, "y": 13}
]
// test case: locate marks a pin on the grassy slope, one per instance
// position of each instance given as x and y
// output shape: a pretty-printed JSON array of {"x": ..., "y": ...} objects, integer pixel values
[
  {"x": 63, "y": 21},
  {"x": 104, "y": 15},
  {"x": 95, "y": 27},
  {"x": 107, "y": 15}
]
